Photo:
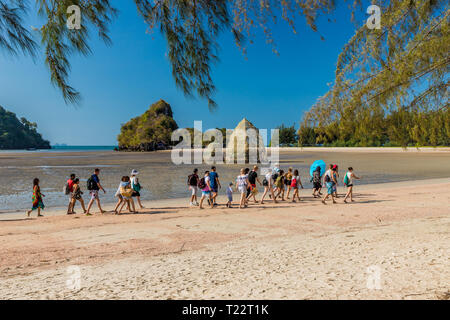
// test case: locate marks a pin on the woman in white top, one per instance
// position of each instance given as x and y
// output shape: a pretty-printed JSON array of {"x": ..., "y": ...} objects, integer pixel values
[
  {"x": 295, "y": 182},
  {"x": 241, "y": 185},
  {"x": 268, "y": 186},
  {"x": 348, "y": 181},
  {"x": 119, "y": 202}
]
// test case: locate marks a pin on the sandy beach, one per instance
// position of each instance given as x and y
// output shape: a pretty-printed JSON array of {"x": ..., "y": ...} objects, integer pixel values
[{"x": 273, "y": 251}]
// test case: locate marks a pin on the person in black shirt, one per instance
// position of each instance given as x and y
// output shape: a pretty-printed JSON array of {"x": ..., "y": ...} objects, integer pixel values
[
  {"x": 192, "y": 183},
  {"x": 253, "y": 178}
]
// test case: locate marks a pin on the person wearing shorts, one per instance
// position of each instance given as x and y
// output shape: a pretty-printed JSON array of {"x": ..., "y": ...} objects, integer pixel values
[
  {"x": 136, "y": 187},
  {"x": 348, "y": 181},
  {"x": 94, "y": 192},
  {"x": 330, "y": 183},
  {"x": 192, "y": 183},
  {"x": 214, "y": 184},
  {"x": 241, "y": 186},
  {"x": 206, "y": 191},
  {"x": 230, "y": 195},
  {"x": 288, "y": 182},
  {"x": 77, "y": 195},
  {"x": 268, "y": 186},
  {"x": 253, "y": 178}
]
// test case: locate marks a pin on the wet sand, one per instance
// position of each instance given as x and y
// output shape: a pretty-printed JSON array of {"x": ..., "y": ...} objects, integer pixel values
[
  {"x": 163, "y": 180},
  {"x": 274, "y": 251}
]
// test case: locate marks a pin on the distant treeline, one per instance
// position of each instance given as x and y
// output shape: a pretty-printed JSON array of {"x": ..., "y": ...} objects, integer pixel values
[
  {"x": 400, "y": 128},
  {"x": 19, "y": 134},
  {"x": 391, "y": 84}
]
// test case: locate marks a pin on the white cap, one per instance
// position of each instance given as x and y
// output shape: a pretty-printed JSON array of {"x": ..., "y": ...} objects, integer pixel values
[{"x": 134, "y": 172}]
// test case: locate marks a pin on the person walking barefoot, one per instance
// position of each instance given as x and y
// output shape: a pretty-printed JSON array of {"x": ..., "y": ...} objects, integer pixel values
[
  {"x": 136, "y": 186},
  {"x": 330, "y": 181},
  {"x": 241, "y": 186},
  {"x": 348, "y": 181},
  {"x": 69, "y": 191},
  {"x": 317, "y": 183},
  {"x": 268, "y": 186},
  {"x": 77, "y": 195},
  {"x": 192, "y": 183},
  {"x": 253, "y": 178},
  {"x": 288, "y": 181},
  {"x": 214, "y": 183},
  {"x": 295, "y": 182},
  {"x": 126, "y": 191},
  {"x": 38, "y": 203},
  {"x": 279, "y": 184},
  {"x": 94, "y": 187},
  {"x": 205, "y": 186},
  {"x": 230, "y": 195}
]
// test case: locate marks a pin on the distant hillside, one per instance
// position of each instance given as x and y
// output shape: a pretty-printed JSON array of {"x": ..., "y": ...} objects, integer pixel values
[
  {"x": 150, "y": 131},
  {"x": 19, "y": 134}
]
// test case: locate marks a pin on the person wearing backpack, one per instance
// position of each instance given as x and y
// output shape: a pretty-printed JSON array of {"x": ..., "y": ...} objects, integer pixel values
[
  {"x": 317, "y": 185},
  {"x": 205, "y": 186},
  {"x": 330, "y": 182},
  {"x": 348, "y": 181},
  {"x": 279, "y": 184},
  {"x": 268, "y": 186},
  {"x": 295, "y": 182},
  {"x": 192, "y": 183},
  {"x": 68, "y": 191},
  {"x": 136, "y": 187},
  {"x": 94, "y": 186},
  {"x": 253, "y": 178}
]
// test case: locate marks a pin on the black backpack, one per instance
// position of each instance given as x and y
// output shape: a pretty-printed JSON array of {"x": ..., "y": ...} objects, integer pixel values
[
  {"x": 274, "y": 176},
  {"x": 252, "y": 176},
  {"x": 202, "y": 183},
  {"x": 192, "y": 180},
  {"x": 91, "y": 184}
]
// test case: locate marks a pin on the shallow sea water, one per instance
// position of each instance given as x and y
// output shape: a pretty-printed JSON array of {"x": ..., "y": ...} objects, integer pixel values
[{"x": 161, "y": 179}]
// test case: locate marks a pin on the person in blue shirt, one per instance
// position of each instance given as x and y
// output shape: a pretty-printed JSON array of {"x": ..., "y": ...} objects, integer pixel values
[{"x": 215, "y": 184}]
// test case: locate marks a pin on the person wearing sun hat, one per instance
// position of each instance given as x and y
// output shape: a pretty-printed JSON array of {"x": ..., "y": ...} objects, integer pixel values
[{"x": 136, "y": 187}]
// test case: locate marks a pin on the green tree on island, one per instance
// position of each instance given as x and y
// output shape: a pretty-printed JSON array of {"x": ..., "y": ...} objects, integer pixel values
[{"x": 19, "y": 134}]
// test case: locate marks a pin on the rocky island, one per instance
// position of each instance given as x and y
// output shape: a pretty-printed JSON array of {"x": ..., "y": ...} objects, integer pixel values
[
  {"x": 150, "y": 131},
  {"x": 19, "y": 134}
]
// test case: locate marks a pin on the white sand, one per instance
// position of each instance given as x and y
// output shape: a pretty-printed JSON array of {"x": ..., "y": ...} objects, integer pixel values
[{"x": 286, "y": 251}]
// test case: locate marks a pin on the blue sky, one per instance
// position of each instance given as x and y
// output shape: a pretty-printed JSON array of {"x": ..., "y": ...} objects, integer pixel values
[{"x": 121, "y": 81}]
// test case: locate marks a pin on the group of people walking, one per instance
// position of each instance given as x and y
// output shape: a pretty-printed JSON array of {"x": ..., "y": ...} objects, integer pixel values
[
  {"x": 277, "y": 184},
  {"x": 129, "y": 188}
]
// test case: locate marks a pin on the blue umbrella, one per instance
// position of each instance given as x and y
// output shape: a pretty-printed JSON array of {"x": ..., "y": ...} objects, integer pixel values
[{"x": 318, "y": 163}]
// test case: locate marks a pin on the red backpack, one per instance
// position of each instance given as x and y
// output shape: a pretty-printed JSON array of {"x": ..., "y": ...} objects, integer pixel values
[{"x": 294, "y": 182}]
